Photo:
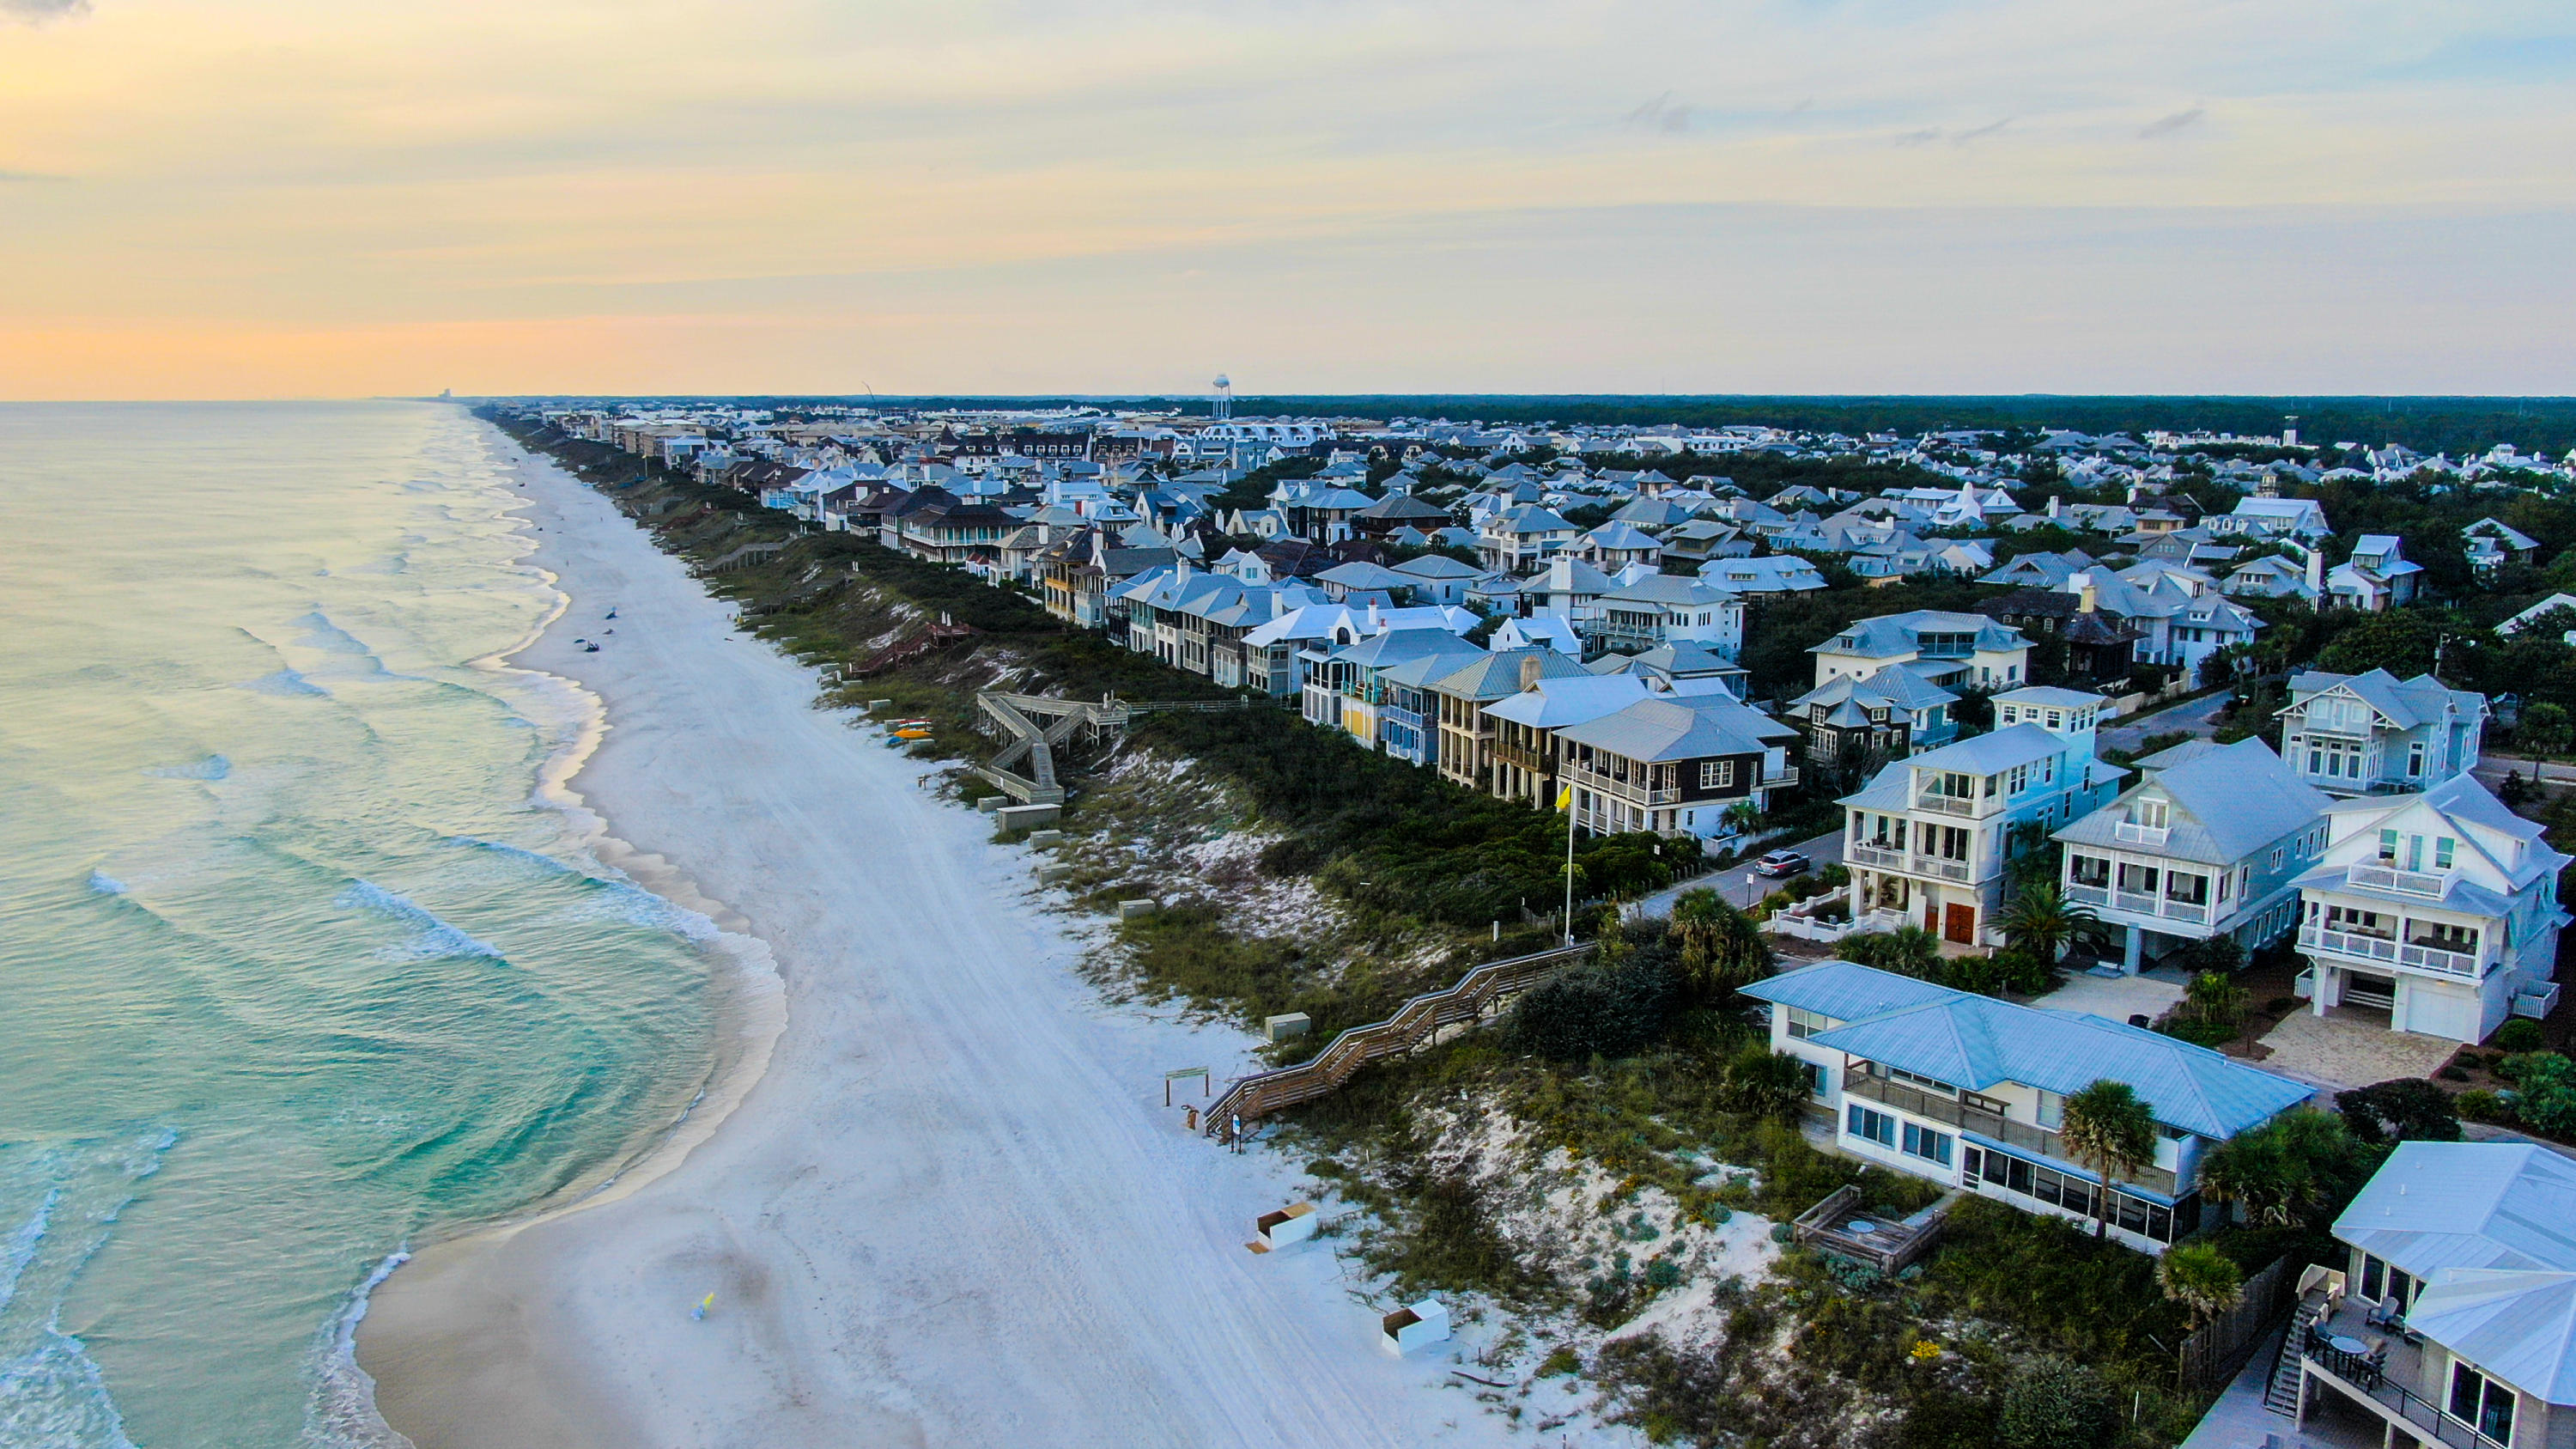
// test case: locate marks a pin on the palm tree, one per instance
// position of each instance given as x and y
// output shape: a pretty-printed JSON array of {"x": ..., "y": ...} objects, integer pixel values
[
  {"x": 1907, "y": 951},
  {"x": 1742, "y": 816},
  {"x": 2043, "y": 922},
  {"x": 1722, "y": 949},
  {"x": 2202, "y": 1279},
  {"x": 2250, "y": 1168},
  {"x": 2111, "y": 1131}
]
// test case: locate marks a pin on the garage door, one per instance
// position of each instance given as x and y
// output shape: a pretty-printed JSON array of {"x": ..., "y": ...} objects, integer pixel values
[{"x": 2438, "y": 1011}]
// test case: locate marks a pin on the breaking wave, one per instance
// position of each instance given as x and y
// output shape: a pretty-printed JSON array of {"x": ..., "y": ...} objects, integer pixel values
[{"x": 430, "y": 936}]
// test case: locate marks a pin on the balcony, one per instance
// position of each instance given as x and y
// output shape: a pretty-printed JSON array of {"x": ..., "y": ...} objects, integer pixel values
[
  {"x": 1945, "y": 804},
  {"x": 2382, "y": 951},
  {"x": 2378, "y": 1377},
  {"x": 1785, "y": 775},
  {"x": 2136, "y": 834},
  {"x": 1628, "y": 790},
  {"x": 2405, "y": 882},
  {"x": 1957, "y": 870},
  {"x": 1874, "y": 855},
  {"x": 2028, "y": 1137},
  {"x": 2085, "y": 895}
]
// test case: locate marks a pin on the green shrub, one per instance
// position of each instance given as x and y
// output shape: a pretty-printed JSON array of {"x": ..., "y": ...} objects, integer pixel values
[
  {"x": 1598, "y": 1010},
  {"x": 2544, "y": 1091},
  {"x": 2409, "y": 1109},
  {"x": 2521, "y": 1034},
  {"x": 2057, "y": 1403},
  {"x": 2477, "y": 1104}
]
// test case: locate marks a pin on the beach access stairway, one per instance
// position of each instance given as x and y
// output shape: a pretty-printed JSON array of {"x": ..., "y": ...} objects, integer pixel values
[
  {"x": 1032, "y": 726},
  {"x": 1479, "y": 994}
]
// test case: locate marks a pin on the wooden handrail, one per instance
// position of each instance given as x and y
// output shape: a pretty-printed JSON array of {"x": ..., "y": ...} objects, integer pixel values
[{"x": 1413, "y": 1023}]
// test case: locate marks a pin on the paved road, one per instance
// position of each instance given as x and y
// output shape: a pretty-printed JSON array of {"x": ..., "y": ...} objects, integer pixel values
[
  {"x": 1739, "y": 885},
  {"x": 2198, "y": 716}
]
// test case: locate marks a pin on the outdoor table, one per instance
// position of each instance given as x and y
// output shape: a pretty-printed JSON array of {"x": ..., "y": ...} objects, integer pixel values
[{"x": 2346, "y": 1344}]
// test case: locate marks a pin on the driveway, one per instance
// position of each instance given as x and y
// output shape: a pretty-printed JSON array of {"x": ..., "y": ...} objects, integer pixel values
[
  {"x": 2193, "y": 716},
  {"x": 1739, "y": 885}
]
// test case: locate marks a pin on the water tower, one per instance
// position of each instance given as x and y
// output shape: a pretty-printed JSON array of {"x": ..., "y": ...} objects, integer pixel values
[{"x": 1224, "y": 397}]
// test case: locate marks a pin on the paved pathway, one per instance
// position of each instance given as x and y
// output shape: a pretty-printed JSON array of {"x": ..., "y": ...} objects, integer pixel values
[
  {"x": 1739, "y": 885},
  {"x": 2194, "y": 716}
]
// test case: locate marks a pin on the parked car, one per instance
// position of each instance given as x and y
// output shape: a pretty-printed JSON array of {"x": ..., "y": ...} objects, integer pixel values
[{"x": 1781, "y": 862}]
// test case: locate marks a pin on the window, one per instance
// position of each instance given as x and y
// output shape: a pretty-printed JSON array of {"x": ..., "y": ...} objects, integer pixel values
[
  {"x": 2089, "y": 870},
  {"x": 1804, "y": 1024},
  {"x": 1913, "y": 1079},
  {"x": 2482, "y": 1401},
  {"x": 2415, "y": 758},
  {"x": 1816, "y": 1080},
  {"x": 2052, "y": 1110},
  {"x": 1716, "y": 774},
  {"x": 1927, "y": 1144},
  {"x": 2152, "y": 813},
  {"x": 1876, "y": 1127},
  {"x": 2388, "y": 845},
  {"x": 2277, "y": 853},
  {"x": 2442, "y": 847}
]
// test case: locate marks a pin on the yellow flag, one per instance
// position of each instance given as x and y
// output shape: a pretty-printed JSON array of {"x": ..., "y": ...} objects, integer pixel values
[{"x": 1564, "y": 796}]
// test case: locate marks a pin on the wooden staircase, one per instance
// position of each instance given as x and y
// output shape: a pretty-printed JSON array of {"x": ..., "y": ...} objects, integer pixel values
[
  {"x": 1033, "y": 725},
  {"x": 2281, "y": 1394},
  {"x": 1479, "y": 994}
]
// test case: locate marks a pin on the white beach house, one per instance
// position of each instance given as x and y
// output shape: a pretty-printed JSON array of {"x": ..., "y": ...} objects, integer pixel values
[
  {"x": 2437, "y": 913},
  {"x": 2366, "y": 734}
]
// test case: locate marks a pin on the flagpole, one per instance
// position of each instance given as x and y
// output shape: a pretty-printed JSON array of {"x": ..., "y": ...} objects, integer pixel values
[{"x": 1565, "y": 802}]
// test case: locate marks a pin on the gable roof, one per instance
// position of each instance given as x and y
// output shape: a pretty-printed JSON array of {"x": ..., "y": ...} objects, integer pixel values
[
  {"x": 1661, "y": 728},
  {"x": 2228, "y": 802}
]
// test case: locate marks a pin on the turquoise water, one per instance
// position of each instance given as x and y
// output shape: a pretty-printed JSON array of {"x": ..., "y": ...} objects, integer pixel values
[{"x": 295, "y": 967}]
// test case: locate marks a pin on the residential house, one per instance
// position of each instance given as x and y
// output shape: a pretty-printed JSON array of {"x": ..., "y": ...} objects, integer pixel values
[
  {"x": 1614, "y": 546},
  {"x": 2274, "y": 577},
  {"x": 1517, "y": 540},
  {"x": 1398, "y": 511},
  {"x": 1677, "y": 766},
  {"x": 2377, "y": 577},
  {"x": 1438, "y": 579},
  {"x": 2210, "y": 842},
  {"x": 2362, "y": 734},
  {"x": 1378, "y": 689},
  {"x": 1886, "y": 716},
  {"x": 1680, "y": 666},
  {"x": 1276, "y": 654},
  {"x": 2453, "y": 1319},
  {"x": 1524, "y": 749},
  {"x": 2434, "y": 913},
  {"x": 1969, "y": 1092},
  {"x": 1078, "y": 576},
  {"x": 2493, "y": 543},
  {"x": 1198, "y": 621},
  {"x": 2094, "y": 647},
  {"x": 1985, "y": 654},
  {"x": 2039, "y": 570},
  {"x": 2536, "y": 612},
  {"x": 2181, "y": 616},
  {"x": 1928, "y": 838},
  {"x": 1772, "y": 574},
  {"x": 1660, "y": 609},
  {"x": 2303, "y": 519},
  {"x": 1464, "y": 751},
  {"x": 936, "y": 525},
  {"x": 1700, "y": 540}
]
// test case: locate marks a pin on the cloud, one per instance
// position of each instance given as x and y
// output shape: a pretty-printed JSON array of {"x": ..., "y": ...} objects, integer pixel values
[
  {"x": 2167, "y": 125},
  {"x": 35, "y": 11},
  {"x": 1924, "y": 137},
  {"x": 1981, "y": 132},
  {"x": 1660, "y": 114}
]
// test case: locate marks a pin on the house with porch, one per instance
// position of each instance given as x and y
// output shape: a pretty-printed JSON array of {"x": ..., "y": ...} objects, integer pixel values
[
  {"x": 2439, "y": 910},
  {"x": 2210, "y": 842},
  {"x": 1674, "y": 765},
  {"x": 1660, "y": 609},
  {"x": 1969, "y": 1092},
  {"x": 1927, "y": 839},
  {"x": 1517, "y": 540},
  {"x": 2376, "y": 578},
  {"x": 1771, "y": 574},
  {"x": 1525, "y": 748},
  {"x": 1464, "y": 751},
  {"x": 1984, "y": 654},
  {"x": 2493, "y": 543},
  {"x": 1891, "y": 714},
  {"x": 1378, "y": 690},
  {"x": 2453, "y": 1319},
  {"x": 2366, "y": 734}
]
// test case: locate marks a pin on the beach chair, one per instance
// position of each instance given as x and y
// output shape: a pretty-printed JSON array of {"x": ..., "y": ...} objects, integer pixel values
[{"x": 2385, "y": 1314}]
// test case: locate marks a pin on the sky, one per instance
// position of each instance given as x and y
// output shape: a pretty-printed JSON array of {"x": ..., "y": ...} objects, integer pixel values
[{"x": 272, "y": 198}]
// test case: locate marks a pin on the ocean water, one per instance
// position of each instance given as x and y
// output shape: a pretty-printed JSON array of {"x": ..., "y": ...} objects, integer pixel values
[{"x": 296, "y": 966}]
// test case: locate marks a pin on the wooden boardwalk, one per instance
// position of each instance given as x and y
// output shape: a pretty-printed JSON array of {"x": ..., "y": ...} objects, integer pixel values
[
  {"x": 1033, "y": 725},
  {"x": 1479, "y": 994}
]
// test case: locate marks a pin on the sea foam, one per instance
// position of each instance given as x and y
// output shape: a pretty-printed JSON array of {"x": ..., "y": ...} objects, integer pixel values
[{"x": 430, "y": 936}]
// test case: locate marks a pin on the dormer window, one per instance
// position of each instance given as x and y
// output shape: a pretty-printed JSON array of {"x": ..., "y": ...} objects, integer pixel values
[{"x": 2152, "y": 813}]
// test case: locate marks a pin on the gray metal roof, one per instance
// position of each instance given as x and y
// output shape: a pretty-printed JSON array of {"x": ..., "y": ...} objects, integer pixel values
[
  {"x": 2403, "y": 703},
  {"x": 1498, "y": 675},
  {"x": 1659, "y": 728},
  {"x": 2228, "y": 802},
  {"x": 1845, "y": 990},
  {"x": 1572, "y": 699}
]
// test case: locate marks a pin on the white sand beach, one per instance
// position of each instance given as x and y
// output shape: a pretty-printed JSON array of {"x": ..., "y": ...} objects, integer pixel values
[{"x": 953, "y": 1210}]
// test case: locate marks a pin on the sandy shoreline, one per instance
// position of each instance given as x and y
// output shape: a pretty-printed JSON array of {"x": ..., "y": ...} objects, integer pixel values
[{"x": 952, "y": 1210}]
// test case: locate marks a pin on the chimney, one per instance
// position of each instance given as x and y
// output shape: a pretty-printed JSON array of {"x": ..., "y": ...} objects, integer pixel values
[
  {"x": 2317, "y": 573},
  {"x": 1530, "y": 667},
  {"x": 1375, "y": 625},
  {"x": 2052, "y": 505},
  {"x": 2087, "y": 600}
]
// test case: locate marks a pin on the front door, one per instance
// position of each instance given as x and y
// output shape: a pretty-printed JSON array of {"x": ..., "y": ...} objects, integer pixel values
[
  {"x": 1960, "y": 923},
  {"x": 1931, "y": 919}
]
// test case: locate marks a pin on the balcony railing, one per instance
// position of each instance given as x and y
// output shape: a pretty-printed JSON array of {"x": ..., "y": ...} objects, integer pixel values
[
  {"x": 2357, "y": 1374},
  {"x": 2029, "y": 1137},
  {"x": 2131, "y": 831},
  {"x": 2465, "y": 965},
  {"x": 2088, "y": 895},
  {"x": 1877, "y": 855},
  {"x": 1945, "y": 804},
  {"x": 1957, "y": 870},
  {"x": 2406, "y": 882},
  {"x": 2347, "y": 943},
  {"x": 1785, "y": 775},
  {"x": 1628, "y": 790}
]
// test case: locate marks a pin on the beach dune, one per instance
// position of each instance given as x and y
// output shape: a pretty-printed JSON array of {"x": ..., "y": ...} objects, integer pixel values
[{"x": 953, "y": 1209}]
